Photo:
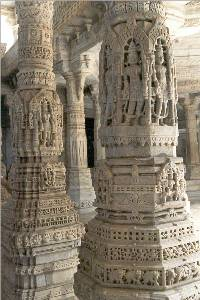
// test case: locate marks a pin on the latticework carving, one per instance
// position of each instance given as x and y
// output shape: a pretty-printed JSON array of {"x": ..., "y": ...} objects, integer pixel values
[
  {"x": 41, "y": 229},
  {"x": 142, "y": 244}
]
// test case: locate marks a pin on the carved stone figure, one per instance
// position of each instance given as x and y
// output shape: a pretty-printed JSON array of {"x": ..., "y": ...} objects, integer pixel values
[
  {"x": 40, "y": 213},
  {"x": 142, "y": 235},
  {"x": 134, "y": 104},
  {"x": 160, "y": 85},
  {"x": 170, "y": 277},
  {"x": 116, "y": 276},
  {"x": 151, "y": 278},
  {"x": 134, "y": 277}
]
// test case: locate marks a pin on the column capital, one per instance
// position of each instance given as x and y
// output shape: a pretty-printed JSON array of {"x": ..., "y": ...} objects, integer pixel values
[{"x": 80, "y": 64}]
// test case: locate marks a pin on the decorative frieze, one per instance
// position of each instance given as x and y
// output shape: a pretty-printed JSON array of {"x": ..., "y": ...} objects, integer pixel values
[
  {"x": 41, "y": 229},
  {"x": 141, "y": 244}
]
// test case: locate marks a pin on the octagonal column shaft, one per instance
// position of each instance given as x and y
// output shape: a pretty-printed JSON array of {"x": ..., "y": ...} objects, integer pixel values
[{"x": 142, "y": 243}]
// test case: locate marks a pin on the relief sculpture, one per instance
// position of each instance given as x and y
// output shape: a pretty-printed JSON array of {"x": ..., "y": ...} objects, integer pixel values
[
  {"x": 132, "y": 84},
  {"x": 159, "y": 85},
  {"x": 146, "y": 80},
  {"x": 142, "y": 243},
  {"x": 38, "y": 123},
  {"x": 41, "y": 226}
]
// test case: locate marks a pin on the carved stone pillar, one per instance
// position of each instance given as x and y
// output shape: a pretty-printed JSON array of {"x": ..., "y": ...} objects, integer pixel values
[
  {"x": 142, "y": 244},
  {"x": 99, "y": 151},
  {"x": 80, "y": 183},
  {"x": 193, "y": 155},
  {"x": 41, "y": 234}
]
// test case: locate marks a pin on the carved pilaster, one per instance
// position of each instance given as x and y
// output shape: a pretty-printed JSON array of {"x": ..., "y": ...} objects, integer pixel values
[
  {"x": 41, "y": 231},
  {"x": 142, "y": 244},
  {"x": 80, "y": 182}
]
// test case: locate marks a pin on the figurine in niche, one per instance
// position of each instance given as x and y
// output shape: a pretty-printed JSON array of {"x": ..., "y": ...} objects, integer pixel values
[
  {"x": 54, "y": 126},
  {"x": 133, "y": 86},
  {"x": 108, "y": 86},
  {"x": 35, "y": 128},
  {"x": 126, "y": 90},
  {"x": 159, "y": 105},
  {"x": 46, "y": 126}
]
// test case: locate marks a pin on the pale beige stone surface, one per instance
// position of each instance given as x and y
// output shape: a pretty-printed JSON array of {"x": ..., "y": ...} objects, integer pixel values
[
  {"x": 40, "y": 226},
  {"x": 137, "y": 188},
  {"x": 79, "y": 175},
  {"x": 142, "y": 243}
]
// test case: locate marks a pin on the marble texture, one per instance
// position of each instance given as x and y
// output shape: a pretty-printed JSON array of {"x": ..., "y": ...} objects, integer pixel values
[
  {"x": 142, "y": 243},
  {"x": 40, "y": 226}
]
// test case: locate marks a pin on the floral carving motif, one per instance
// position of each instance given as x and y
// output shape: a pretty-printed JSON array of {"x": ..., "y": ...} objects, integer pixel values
[
  {"x": 43, "y": 228},
  {"x": 172, "y": 184}
]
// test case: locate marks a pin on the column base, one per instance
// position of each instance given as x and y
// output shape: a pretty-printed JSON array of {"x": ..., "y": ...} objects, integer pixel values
[
  {"x": 88, "y": 289},
  {"x": 81, "y": 190}
]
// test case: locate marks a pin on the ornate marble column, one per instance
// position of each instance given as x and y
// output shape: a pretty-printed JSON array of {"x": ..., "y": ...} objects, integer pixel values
[
  {"x": 41, "y": 233},
  {"x": 142, "y": 244},
  {"x": 80, "y": 183},
  {"x": 193, "y": 155}
]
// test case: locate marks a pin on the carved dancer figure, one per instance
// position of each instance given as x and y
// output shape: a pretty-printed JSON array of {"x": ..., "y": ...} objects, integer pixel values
[
  {"x": 160, "y": 84},
  {"x": 46, "y": 135},
  {"x": 39, "y": 205},
  {"x": 133, "y": 87},
  {"x": 35, "y": 129},
  {"x": 139, "y": 226}
]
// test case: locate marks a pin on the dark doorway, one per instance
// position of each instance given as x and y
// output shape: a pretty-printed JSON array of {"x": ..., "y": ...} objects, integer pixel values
[
  {"x": 89, "y": 127},
  {"x": 6, "y": 147}
]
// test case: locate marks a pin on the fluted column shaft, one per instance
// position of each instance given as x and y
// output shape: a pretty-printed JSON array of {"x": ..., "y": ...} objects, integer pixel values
[
  {"x": 80, "y": 183},
  {"x": 76, "y": 122}
]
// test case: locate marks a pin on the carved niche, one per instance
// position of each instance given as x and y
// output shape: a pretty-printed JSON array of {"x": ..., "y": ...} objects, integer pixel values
[
  {"x": 137, "y": 84},
  {"x": 171, "y": 183},
  {"x": 103, "y": 182},
  {"x": 37, "y": 124}
]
